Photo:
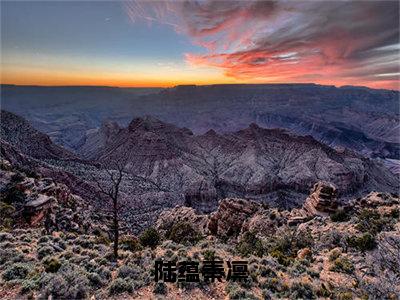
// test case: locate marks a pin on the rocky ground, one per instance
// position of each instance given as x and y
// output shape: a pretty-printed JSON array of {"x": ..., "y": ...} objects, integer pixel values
[{"x": 53, "y": 245}]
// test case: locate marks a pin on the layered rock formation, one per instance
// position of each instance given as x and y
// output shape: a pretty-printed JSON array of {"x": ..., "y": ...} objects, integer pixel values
[
  {"x": 253, "y": 163},
  {"x": 19, "y": 133},
  {"x": 228, "y": 220},
  {"x": 322, "y": 201},
  {"x": 38, "y": 201},
  {"x": 167, "y": 166}
]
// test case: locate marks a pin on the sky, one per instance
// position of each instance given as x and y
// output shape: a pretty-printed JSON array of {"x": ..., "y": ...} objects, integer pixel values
[{"x": 154, "y": 43}]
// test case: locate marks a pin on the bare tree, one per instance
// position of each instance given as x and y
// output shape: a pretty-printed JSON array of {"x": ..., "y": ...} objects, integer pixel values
[{"x": 115, "y": 172}]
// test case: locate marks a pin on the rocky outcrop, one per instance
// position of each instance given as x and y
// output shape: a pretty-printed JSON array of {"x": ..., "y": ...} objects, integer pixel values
[
  {"x": 232, "y": 218},
  {"x": 265, "y": 222},
  {"x": 182, "y": 214},
  {"x": 322, "y": 201},
  {"x": 228, "y": 220},
  {"x": 42, "y": 201}
]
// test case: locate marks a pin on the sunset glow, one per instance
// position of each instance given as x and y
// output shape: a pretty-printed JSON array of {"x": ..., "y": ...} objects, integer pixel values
[{"x": 132, "y": 43}]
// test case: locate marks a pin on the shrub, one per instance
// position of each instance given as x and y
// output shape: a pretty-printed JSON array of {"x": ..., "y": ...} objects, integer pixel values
[
  {"x": 209, "y": 254},
  {"x": 29, "y": 285},
  {"x": 51, "y": 264},
  {"x": 183, "y": 233},
  {"x": 340, "y": 215},
  {"x": 281, "y": 258},
  {"x": 150, "y": 238},
  {"x": 334, "y": 254},
  {"x": 5, "y": 236},
  {"x": 250, "y": 244},
  {"x": 363, "y": 243},
  {"x": 285, "y": 245},
  {"x": 119, "y": 286},
  {"x": 394, "y": 213},
  {"x": 370, "y": 220},
  {"x": 16, "y": 271},
  {"x": 11, "y": 194},
  {"x": 84, "y": 241},
  {"x": 342, "y": 264},
  {"x": 300, "y": 290},
  {"x": 160, "y": 288},
  {"x": 344, "y": 296},
  {"x": 129, "y": 272},
  {"x": 129, "y": 243},
  {"x": 234, "y": 291},
  {"x": 45, "y": 251},
  {"x": 333, "y": 239},
  {"x": 69, "y": 282},
  {"x": 272, "y": 284},
  {"x": 95, "y": 280},
  {"x": 102, "y": 240},
  {"x": 44, "y": 239},
  {"x": 6, "y": 211},
  {"x": 10, "y": 255},
  {"x": 103, "y": 272}
]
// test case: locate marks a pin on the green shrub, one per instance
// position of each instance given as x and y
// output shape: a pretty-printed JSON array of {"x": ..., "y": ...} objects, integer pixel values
[
  {"x": 45, "y": 251},
  {"x": 209, "y": 254},
  {"x": 102, "y": 240},
  {"x": 281, "y": 258},
  {"x": 234, "y": 291},
  {"x": 130, "y": 243},
  {"x": 250, "y": 244},
  {"x": 95, "y": 280},
  {"x": 12, "y": 195},
  {"x": 183, "y": 233},
  {"x": 5, "y": 236},
  {"x": 394, "y": 213},
  {"x": 150, "y": 238},
  {"x": 340, "y": 215},
  {"x": 6, "y": 211},
  {"x": 370, "y": 220},
  {"x": 363, "y": 243},
  {"x": 300, "y": 290},
  {"x": 343, "y": 265},
  {"x": 160, "y": 288},
  {"x": 84, "y": 241},
  {"x": 119, "y": 286},
  {"x": 51, "y": 264},
  {"x": 103, "y": 272},
  {"x": 129, "y": 272},
  {"x": 70, "y": 282},
  {"x": 16, "y": 271},
  {"x": 289, "y": 242},
  {"x": 44, "y": 239},
  {"x": 344, "y": 296},
  {"x": 334, "y": 254},
  {"x": 29, "y": 285}
]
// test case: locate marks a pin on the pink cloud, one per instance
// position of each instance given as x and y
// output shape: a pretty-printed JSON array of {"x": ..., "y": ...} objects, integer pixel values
[{"x": 331, "y": 42}]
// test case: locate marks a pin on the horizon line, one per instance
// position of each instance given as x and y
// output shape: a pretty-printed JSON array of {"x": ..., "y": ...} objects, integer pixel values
[{"x": 199, "y": 85}]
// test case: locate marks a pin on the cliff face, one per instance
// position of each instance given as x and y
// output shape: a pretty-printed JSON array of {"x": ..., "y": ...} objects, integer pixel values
[{"x": 250, "y": 163}]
